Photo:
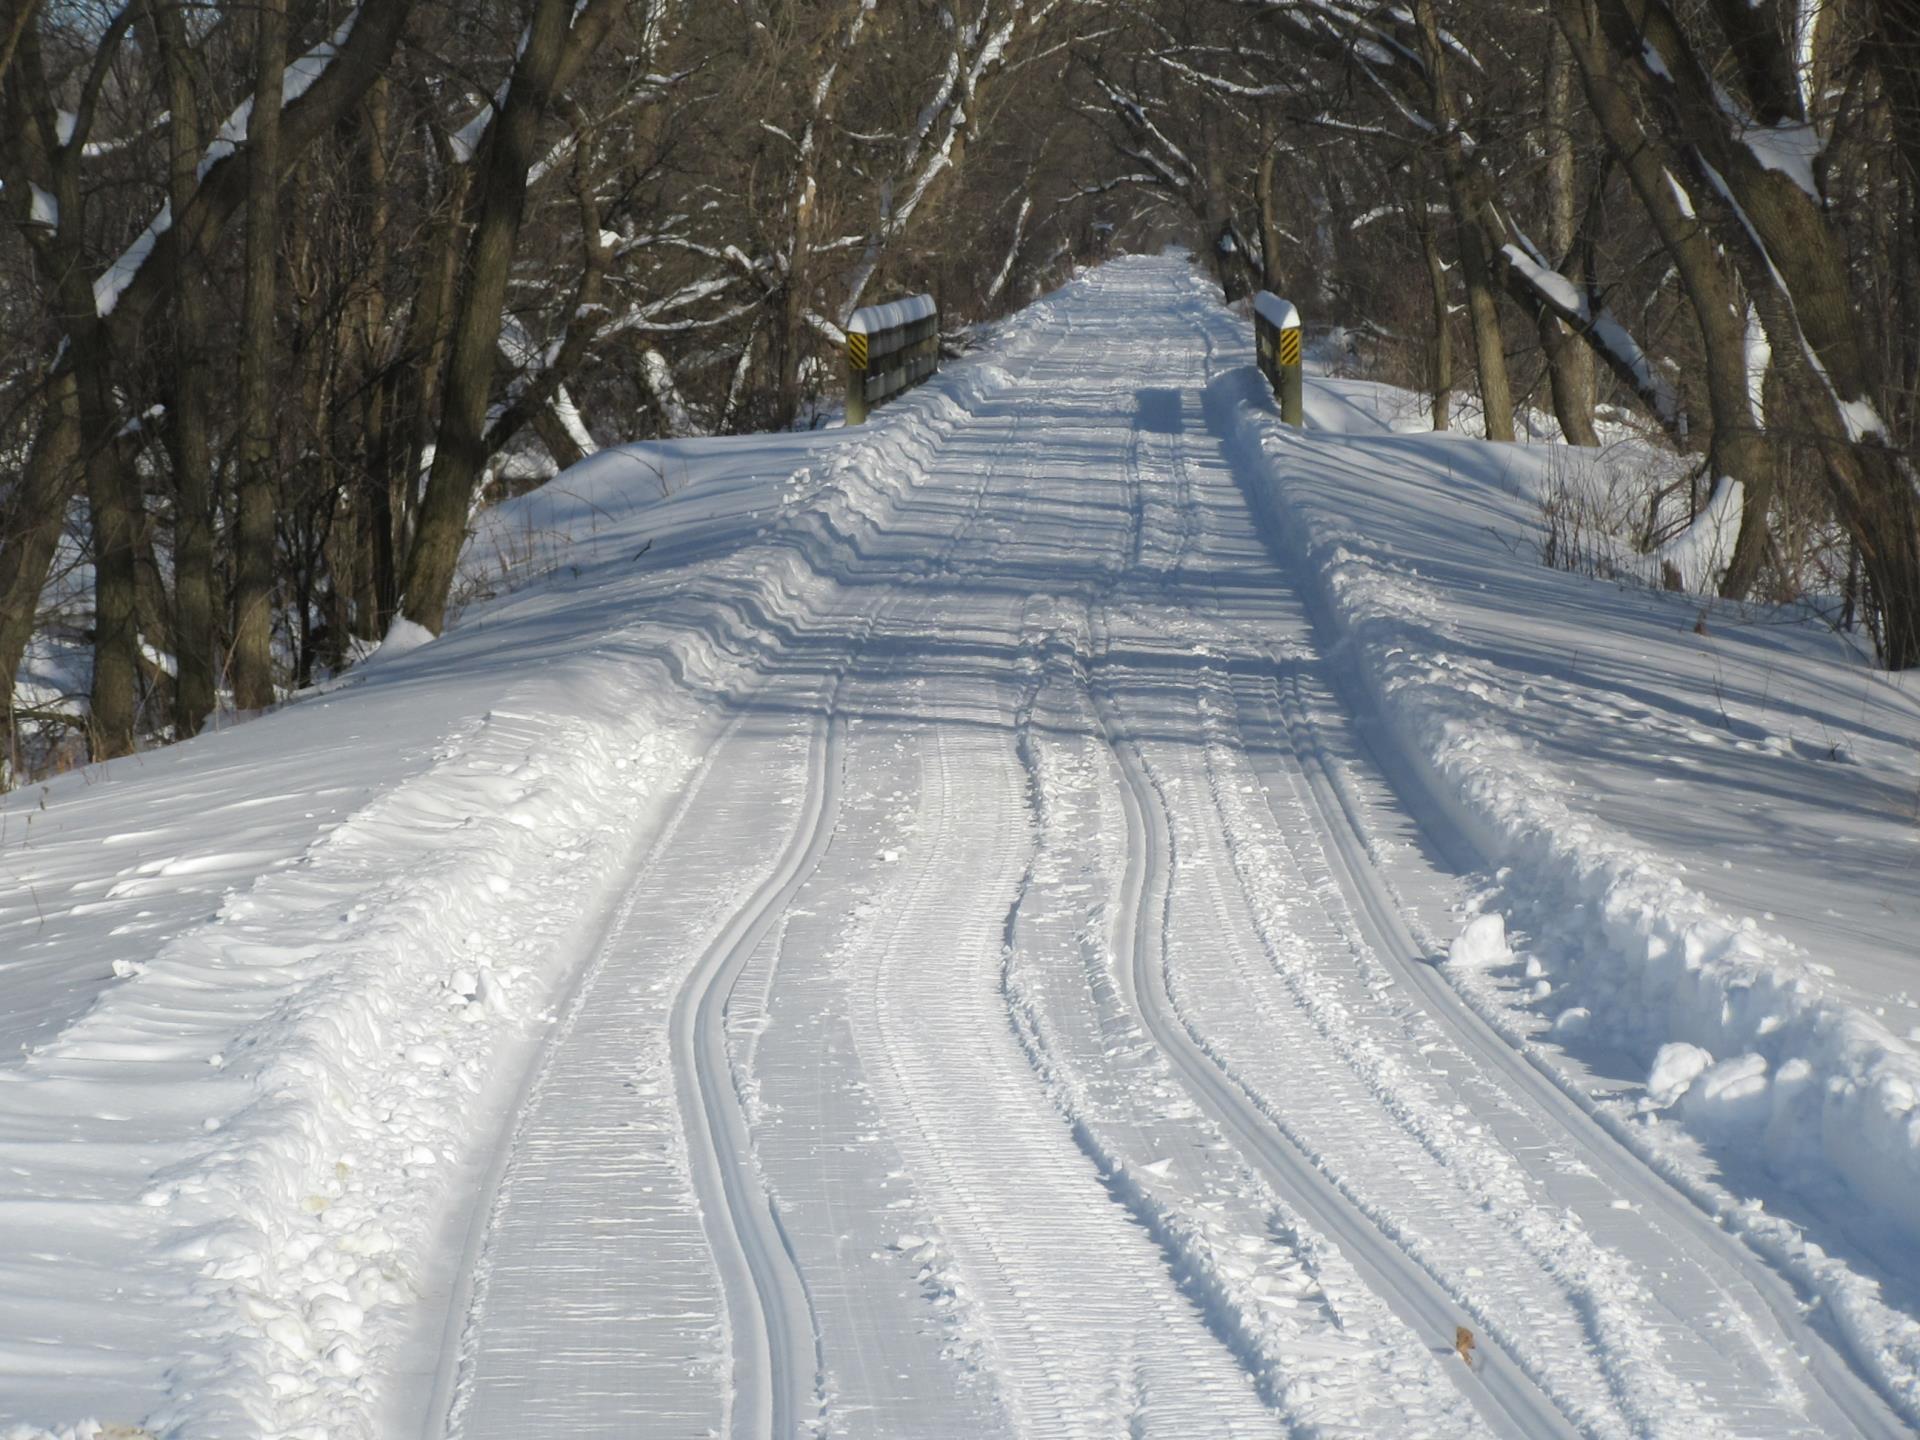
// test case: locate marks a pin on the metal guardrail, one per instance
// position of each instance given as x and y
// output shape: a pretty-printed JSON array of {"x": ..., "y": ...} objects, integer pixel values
[
  {"x": 890, "y": 348},
  {"x": 1276, "y": 343}
]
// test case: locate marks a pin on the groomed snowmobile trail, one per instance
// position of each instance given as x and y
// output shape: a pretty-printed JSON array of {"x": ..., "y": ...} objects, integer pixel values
[{"x": 1014, "y": 1027}]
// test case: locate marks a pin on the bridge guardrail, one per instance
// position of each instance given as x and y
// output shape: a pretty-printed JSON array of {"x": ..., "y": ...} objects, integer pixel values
[{"x": 890, "y": 348}]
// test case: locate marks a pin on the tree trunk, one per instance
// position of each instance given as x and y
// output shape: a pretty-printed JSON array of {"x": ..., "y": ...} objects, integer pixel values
[
  {"x": 31, "y": 517},
  {"x": 15, "y": 17},
  {"x": 1269, "y": 221},
  {"x": 1440, "y": 351},
  {"x": 1483, "y": 305},
  {"x": 508, "y": 152},
  {"x": 413, "y": 387},
  {"x": 371, "y": 517},
  {"x": 114, "y": 702},
  {"x": 195, "y": 639},
  {"x": 1569, "y": 361},
  {"x": 1737, "y": 448},
  {"x": 253, "y": 529}
]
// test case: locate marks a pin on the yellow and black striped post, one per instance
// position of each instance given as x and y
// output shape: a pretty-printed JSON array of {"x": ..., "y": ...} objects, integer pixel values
[
  {"x": 1289, "y": 375},
  {"x": 1276, "y": 333},
  {"x": 856, "y": 378}
]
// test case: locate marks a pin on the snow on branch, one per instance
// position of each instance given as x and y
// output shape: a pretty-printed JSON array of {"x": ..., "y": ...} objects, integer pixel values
[
  {"x": 318, "y": 88},
  {"x": 1223, "y": 86},
  {"x": 1615, "y": 345}
]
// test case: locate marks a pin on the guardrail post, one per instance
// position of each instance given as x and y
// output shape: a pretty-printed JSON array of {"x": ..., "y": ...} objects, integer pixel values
[
  {"x": 856, "y": 378},
  {"x": 1276, "y": 331}
]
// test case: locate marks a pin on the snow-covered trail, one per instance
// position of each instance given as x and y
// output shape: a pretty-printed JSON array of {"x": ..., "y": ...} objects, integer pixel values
[{"x": 1015, "y": 1030}]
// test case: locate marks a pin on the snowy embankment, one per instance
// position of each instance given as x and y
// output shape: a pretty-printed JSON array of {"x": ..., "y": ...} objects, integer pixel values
[
  {"x": 273, "y": 1099},
  {"x": 1700, "y": 828},
  {"x": 267, "y": 998}
]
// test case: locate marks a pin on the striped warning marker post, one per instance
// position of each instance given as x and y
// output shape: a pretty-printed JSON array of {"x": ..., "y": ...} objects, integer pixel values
[
  {"x": 1276, "y": 328},
  {"x": 856, "y": 377}
]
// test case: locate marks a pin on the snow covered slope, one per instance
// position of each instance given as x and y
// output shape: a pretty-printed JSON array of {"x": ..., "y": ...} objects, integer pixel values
[{"x": 1073, "y": 910}]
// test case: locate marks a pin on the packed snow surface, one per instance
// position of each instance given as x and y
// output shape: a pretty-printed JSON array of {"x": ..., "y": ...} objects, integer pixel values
[{"x": 1074, "y": 909}]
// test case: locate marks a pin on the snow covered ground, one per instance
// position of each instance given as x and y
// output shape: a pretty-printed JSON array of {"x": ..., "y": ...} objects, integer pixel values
[{"x": 1070, "y": 910}]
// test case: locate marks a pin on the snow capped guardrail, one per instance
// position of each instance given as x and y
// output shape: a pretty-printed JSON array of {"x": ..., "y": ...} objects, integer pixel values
[
  {"x": 890, "y": 348},
  {"x": 1276, "y": 341}
]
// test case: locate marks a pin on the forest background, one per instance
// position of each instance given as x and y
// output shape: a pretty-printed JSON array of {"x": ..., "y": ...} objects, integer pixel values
[{"x": 288, "y": 289}]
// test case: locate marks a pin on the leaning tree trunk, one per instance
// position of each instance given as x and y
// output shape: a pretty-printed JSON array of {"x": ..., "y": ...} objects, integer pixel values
[
  {"x": 1737, "y": 450},
  {"x": 253, "y": 522}
]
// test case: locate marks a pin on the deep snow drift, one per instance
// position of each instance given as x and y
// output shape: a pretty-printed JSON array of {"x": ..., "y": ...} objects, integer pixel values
[{"x": 1071, "y": 909}]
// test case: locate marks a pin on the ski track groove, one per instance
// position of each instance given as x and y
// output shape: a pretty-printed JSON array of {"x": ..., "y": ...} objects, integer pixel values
[{"x": 776, "y": 1380}]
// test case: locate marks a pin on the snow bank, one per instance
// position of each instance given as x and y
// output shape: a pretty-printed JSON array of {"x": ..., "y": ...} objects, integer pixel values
[
  {"x": 1749, "y": 1043},
  {"x": 315, "y": 1053}
]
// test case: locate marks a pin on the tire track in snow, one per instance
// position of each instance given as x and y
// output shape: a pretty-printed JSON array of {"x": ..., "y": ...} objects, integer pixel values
[
  {"x": 1506, "y": 1398},
  {"x": 1242, "y": 1258},
  {"x": 1501, "y": 1393},
  {"x": 777, "y": 1360},
  {"x": 1240, "y": 1026},
  {"x": 1082, "y": 1318},
  {"x": 807, "y": 1104},
  {"x": 1506, "y": 1395},
  {"x": 553, "y": 1286},
  {"x": 580, "y": 1130}
]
